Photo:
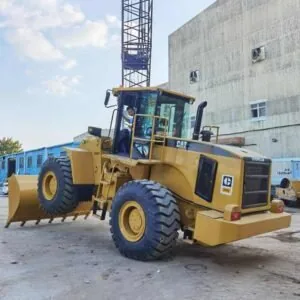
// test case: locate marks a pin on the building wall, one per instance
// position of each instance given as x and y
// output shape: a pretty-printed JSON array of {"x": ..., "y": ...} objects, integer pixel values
[
  {"x": 217, "y": 44},
  {"x": 164, "y": 85}
]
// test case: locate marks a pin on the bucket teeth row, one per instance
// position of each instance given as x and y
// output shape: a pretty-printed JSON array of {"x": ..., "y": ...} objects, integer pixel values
[{"x": 50, "y": 220}]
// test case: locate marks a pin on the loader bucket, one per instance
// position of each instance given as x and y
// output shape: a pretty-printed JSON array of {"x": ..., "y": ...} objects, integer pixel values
[{"x": 23, "y": 203}]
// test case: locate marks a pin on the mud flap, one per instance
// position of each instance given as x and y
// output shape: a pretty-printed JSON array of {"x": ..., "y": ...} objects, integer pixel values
[{"x": 23, "y": 203}]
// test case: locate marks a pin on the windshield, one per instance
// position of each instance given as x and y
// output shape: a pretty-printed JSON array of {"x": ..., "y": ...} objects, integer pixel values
[
  {"x": 175, "y": 109},
  {"x": 171, "y": 118},
  {"x": 167, "y": 106}
]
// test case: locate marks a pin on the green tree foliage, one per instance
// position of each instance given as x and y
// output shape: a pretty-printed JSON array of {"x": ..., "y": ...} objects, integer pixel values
[{"x": 8, "y": 145}]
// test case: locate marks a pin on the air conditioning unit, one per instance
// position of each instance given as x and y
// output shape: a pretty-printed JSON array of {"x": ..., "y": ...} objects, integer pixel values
[
  {"x": 258, "y": 54},
  {"x": 194, "y": 76}
]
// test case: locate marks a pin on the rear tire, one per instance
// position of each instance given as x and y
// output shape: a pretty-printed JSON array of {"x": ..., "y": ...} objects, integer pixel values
[
  {"x": 55, "y": 187},
  {"x": 160, "y": 213}
]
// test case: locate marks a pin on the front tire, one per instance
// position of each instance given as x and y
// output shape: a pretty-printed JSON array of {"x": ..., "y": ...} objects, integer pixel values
[
  {"x": 55, "y": 187},
  {"x": 144, "y": 220}
]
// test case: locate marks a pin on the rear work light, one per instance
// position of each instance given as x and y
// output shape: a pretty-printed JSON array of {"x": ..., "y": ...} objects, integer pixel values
[
  {"x": 235, "y": 215},
  {"x": 277, "y": 206},
  {"x": 232, "y": 213}
]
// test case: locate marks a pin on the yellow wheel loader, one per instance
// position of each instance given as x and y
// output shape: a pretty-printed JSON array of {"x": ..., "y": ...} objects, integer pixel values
[{"x": 154, "y": 180}]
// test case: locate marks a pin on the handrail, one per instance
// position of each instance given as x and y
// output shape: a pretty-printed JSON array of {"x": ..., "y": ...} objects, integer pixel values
[
  {"x": 111, "y": 121},
  {"x": 210, "y": 127},
  {"x": 153, "y": 139}
]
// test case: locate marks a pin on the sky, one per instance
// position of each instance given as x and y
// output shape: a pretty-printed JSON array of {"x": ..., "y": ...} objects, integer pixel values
[{"x": 58, "y": 58}]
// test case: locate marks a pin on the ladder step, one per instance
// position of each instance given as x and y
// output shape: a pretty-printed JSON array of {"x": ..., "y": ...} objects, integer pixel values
[
  {"x": 104, "y": 182},
  {"x": 190, "y": 242},
  {"x": 101, "y": 199}
]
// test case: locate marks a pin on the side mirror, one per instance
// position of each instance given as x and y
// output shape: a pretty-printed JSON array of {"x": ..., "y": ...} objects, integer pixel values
[{"x": 107, "y": 98}]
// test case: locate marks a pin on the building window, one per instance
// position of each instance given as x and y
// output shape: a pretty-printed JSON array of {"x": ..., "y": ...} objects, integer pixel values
[
  {"x": 3, "y": 163},
  {"x": 29, "y": 162},
  {"x": 258, "y": 110},
  {"x": 21, "y": 162},
  {"x": 50, "y": 155},
  {"x": 194, "y": 76},
  {"x": 63, "y": 153},
  {"x": 39, "y": 160}
]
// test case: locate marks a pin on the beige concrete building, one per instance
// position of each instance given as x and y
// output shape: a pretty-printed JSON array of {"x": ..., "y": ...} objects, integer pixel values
[{"x": 243, "y": 57}]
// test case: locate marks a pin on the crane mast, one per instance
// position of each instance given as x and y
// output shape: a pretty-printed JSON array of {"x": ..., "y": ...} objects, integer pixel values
[{"x": 137, "y": 17}]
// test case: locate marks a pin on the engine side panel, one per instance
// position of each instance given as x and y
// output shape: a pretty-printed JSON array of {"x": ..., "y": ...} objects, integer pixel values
[{"x": 210, "y": 185}]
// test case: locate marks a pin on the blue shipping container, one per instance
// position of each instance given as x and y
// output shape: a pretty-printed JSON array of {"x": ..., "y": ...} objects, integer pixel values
[{"x": 29, "y": 162}]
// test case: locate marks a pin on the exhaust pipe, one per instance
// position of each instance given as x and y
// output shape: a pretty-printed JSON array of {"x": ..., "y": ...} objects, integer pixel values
[{"x": 197, "y": 127}]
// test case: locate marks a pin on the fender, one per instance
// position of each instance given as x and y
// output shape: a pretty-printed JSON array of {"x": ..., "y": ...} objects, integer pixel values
[
  {"x": 173, "y": 179},
  {"x": 82, "y": 164}
]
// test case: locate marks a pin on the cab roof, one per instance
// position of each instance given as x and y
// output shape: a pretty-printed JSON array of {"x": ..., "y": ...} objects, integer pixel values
[{"x": 187, "y": 98}]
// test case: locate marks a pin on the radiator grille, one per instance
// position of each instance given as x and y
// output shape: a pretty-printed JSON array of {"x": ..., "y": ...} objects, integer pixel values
[{"x": 256, "y": 184}]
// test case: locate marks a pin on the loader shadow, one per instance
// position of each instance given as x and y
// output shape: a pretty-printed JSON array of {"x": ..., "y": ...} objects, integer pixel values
[
  {"x": 96, "y": 239},
  {"x": 229, "y": 255},
  {"x": 287, "y": 237}
]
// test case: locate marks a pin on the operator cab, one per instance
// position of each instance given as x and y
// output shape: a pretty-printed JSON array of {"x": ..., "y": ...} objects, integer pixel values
[{"x": 144, "y": 115}]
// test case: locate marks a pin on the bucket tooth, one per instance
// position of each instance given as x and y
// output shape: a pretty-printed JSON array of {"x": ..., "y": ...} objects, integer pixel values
[
  {"x": 63, "y": 219},
  {"x": 50, "y": 221},
  {"x": 75, "y": 217},
  {"x": 37, "y": 222},
  {"x": 7, "y": 225},
  {"x": 23, "y": 223}
]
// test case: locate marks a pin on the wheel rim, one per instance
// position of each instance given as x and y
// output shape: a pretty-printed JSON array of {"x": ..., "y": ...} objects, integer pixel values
[
  {"x": 132, "y": 221},
  {"x": 49, "y": 185}
]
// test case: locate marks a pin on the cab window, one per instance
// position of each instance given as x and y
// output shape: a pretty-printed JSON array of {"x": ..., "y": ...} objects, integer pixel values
[
  {"x": 176, "y": 110},
  {"x": 147, "y": 102}
]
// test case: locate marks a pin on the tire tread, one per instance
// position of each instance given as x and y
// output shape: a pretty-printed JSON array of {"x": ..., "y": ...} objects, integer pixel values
[
  {"x": 163, "y": 208},
  {"x": 67, "y": 202}
]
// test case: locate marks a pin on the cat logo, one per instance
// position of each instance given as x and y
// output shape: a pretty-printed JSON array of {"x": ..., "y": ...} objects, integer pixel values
[
  {"x": 227, "y": 185},
  {"x": 181, "y": 144}
]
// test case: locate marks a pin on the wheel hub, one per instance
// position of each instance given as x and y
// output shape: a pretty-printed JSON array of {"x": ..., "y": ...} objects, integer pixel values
[
  {"x": 135, "y": 220},
  {"x": 132, "y": 221},
  {"x": 49, "y": 185}
]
